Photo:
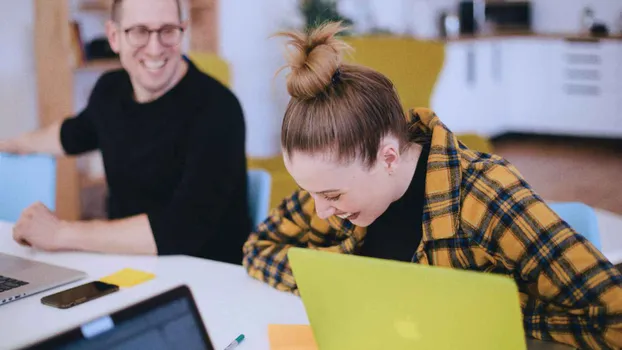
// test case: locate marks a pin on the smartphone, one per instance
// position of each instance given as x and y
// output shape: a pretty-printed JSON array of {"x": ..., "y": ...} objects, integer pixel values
[{"x": 78, "y": 295}]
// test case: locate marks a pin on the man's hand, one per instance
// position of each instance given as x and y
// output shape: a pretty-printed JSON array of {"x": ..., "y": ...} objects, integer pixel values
[
  {"x": 39, "y": 228},
  {"x": 9, "y": 146}
]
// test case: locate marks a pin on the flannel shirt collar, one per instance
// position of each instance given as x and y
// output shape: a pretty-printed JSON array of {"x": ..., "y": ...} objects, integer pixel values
[{"x": 441, "y": 216}]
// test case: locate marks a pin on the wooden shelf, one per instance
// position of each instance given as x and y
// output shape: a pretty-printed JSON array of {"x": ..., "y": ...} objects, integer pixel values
[{"x": 99, "y": 65}]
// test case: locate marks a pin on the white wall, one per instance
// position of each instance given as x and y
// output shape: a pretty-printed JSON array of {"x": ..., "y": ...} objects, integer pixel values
[
  {"x": 254, "y": 57},
  {"x": 18, "y": 99}
]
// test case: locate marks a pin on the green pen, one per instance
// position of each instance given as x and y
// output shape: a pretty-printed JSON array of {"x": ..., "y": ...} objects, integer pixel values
[{"x": 235, "y": 343}]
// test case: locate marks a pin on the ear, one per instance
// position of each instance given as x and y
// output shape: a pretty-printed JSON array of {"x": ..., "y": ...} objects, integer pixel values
[
  {"x": 184, "y": 25},
  {"x": 389, "y": 155},
  {"x": 114, "y": 36}
]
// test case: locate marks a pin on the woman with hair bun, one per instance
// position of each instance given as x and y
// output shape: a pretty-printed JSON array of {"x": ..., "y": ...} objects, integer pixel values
[{"x": 375, "y": 181}]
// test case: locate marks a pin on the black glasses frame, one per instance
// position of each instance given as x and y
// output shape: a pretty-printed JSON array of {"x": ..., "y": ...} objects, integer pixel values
[{"x": 151, "y": 31}]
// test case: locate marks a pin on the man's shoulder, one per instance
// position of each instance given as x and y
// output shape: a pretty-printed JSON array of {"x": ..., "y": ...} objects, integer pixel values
[
  {"x": 205, "y": 83},
  {"x": 113, "y": 77},
  {"x": 110, "y": 82}
]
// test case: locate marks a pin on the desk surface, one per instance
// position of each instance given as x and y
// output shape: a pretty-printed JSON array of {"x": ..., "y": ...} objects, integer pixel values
[{"x": 230, "y": 302}]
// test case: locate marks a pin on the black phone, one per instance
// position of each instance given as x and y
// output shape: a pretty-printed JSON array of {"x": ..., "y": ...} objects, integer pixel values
[{"x": 78, "y": 295}]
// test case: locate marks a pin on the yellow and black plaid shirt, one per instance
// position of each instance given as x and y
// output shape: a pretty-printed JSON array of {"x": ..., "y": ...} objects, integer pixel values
[{"x": 479, "y": 214}]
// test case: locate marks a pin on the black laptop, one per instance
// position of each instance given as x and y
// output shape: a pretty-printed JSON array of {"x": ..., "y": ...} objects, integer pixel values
[{"x": 169, "y": 320}]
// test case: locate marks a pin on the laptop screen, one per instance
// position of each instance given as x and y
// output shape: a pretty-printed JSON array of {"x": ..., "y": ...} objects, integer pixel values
[{"x": 167, "y": 321}]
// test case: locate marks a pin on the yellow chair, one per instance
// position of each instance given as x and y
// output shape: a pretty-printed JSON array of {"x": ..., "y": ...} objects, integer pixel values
[
  {"x": 412, "y": 65},
  {"x": 213, "y": 65}
]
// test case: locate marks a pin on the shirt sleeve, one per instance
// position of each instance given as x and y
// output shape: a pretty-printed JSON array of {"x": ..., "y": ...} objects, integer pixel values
[
  {"x": 265, "y": 251},
  {"x": 78, "y": 134},
  {"x": 213, "y": 176},
  {"x": 570, "y": 292}
]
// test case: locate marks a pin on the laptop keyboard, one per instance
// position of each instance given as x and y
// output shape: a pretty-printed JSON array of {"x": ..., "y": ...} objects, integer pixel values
[{"x": 7, "y": 283}]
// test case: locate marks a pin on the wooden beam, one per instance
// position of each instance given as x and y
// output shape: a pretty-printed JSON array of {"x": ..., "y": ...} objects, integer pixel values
[
  {"x": 55, "y": 91},
  {"x": 204, "y": 23}
]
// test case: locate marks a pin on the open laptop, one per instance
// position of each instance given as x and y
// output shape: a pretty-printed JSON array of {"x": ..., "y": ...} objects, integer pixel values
[
  {"x": 169, "y": 320},
  {"x": 355, "y": 302},
  {"x": 21, "y": 277}
]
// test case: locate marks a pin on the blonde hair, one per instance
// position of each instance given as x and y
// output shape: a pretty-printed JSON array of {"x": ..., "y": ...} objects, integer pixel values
[{"x": 335, "y": 106}]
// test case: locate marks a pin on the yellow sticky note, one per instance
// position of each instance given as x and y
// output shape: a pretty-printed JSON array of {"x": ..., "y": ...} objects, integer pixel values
[
  {"x": 291, "y": 337},
  {"x": 128, "y": 277}
]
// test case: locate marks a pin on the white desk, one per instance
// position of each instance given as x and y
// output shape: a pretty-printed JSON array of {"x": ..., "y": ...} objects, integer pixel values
[{"x": 229, "y": 301}]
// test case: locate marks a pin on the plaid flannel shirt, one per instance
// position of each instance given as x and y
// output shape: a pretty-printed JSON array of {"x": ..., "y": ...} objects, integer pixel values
[{"x": 479, "y": 214}]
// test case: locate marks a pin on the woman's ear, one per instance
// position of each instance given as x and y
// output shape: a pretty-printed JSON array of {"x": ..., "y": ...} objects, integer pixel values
[{"x": 389, "y": 155}]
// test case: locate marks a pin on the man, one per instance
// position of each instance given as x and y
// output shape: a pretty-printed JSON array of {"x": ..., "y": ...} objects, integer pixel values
[{"x": 173, "y": 146}]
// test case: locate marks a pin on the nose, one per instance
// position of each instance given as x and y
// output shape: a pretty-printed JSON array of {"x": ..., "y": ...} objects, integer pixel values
[
  {"x": 323, "y": 209},
  {"x": 153, "y": 46}
]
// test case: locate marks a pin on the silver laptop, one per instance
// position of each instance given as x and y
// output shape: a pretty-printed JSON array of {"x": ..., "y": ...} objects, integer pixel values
[{"x": 21, "y": 277}]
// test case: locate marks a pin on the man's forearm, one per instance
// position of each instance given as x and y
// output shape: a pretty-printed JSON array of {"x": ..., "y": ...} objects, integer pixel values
[
  {"x": 126, "y": 236},
  {"x": 45, "y": 140}
]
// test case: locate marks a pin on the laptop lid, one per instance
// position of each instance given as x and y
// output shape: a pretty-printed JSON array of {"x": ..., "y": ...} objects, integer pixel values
[
  {"x": 169, "y": 320},
  {"x": 355, "y": 302}
]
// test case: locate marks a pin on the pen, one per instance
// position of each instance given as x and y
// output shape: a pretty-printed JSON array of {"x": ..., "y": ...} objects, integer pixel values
[{"x": 235, "y": 343}]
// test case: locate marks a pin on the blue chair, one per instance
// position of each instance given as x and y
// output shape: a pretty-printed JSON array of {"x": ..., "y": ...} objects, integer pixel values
[
  {"x": 581, "y": 217},
  {"x": 259, "y": 187},
  {"x": 25, "y": 180}
]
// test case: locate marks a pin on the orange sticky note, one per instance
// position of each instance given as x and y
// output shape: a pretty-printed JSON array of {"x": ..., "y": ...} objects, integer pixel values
[
  {"x": 291, "y": 337},
  {"x": 128, "y": 277}
]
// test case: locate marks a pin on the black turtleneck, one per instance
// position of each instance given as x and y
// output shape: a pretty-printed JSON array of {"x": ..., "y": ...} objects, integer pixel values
[{"x": 396, "y": 234}]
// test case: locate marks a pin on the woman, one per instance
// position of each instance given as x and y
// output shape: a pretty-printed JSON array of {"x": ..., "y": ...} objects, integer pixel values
[{"x": 376, "y": 183}]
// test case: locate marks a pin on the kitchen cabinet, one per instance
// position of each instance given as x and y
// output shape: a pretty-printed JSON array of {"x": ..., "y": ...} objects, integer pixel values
[{"x": 546, "y": 85}]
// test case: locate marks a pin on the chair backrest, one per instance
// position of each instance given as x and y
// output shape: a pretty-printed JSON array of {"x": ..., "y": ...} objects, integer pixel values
[
  {"x": 25, "y": 180},
  {"x": 414, "y": 65},
  {"x": 212, "y": 65},
  {"x": 259, "y": 184},
  {"x": 581, "y": 217}
]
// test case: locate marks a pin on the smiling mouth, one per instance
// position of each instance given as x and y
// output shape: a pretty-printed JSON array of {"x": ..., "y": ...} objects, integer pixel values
[
  {"x": 153, "y": 65},
  {"x": 348, "y": 216}
]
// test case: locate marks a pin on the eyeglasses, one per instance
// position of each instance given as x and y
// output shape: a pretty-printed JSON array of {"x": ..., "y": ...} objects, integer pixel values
[{"x": 168, "y": 35}]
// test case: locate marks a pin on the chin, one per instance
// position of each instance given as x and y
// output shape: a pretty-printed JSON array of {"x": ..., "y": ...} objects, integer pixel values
[{"x": 362, "y": 222}]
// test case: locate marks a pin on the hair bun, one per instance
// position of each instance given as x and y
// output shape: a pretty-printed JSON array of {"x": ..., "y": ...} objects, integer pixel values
[{"x": 313, "y": 59}]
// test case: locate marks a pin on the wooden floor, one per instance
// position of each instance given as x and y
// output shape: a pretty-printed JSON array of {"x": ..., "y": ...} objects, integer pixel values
[
  {"x": 559, "y": 169},
  {"x": 568, "y": 169}
]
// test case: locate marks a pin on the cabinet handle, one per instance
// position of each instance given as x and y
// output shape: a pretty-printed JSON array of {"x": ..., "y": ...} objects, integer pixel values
[
  {"x": 582, "y": 58},
  {"x": 581, "y": 90},
  {"x": 496, "y": 63},
  {"x": 583, "y": 74},
  {"x": 470, "y": 66}
]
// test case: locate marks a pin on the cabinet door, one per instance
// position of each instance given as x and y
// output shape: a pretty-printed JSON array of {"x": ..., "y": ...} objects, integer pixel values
[
  {"x": 491, "y": 87},
  {"x": 454, "y": 87},
  {"x": 467, "y": 95},
  {"x": 587, "y": 88},
  {"x": 527, "y": 76},
  {"x": 618, "y": 90}
]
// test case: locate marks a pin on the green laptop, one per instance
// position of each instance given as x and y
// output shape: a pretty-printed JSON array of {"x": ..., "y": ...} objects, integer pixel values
[{"x": 355, "y": 302}]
